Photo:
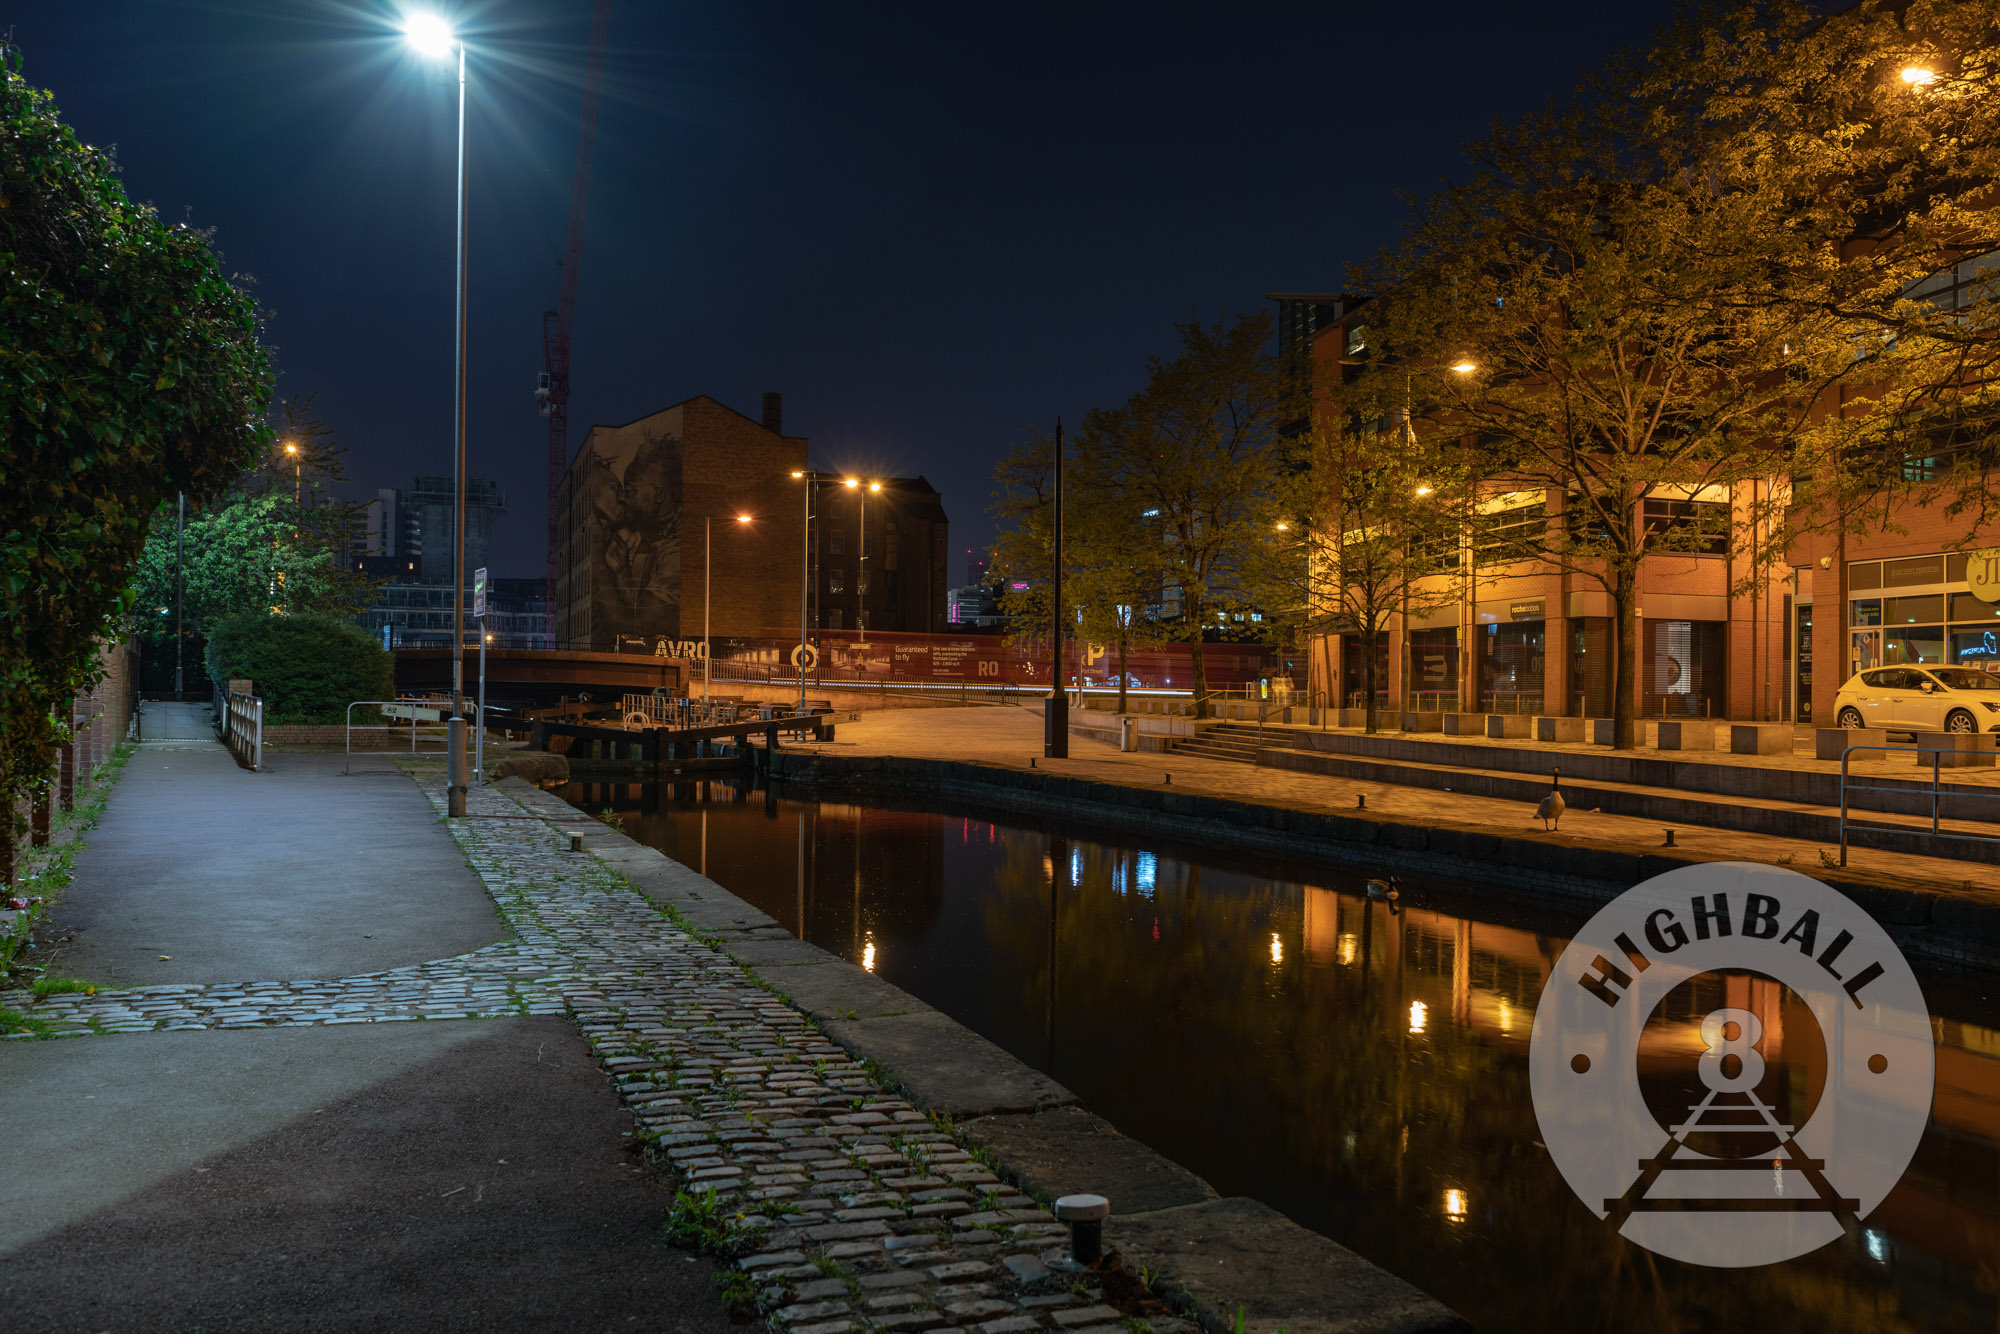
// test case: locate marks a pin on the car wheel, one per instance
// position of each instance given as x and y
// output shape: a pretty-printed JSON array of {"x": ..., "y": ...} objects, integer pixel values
[
  {"x": 1850, "y": 718},
  {"x": 1959, "y": 721}
]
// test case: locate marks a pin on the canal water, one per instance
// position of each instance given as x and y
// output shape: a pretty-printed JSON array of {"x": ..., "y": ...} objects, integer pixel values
[{"x": 1362, "y": 1069}]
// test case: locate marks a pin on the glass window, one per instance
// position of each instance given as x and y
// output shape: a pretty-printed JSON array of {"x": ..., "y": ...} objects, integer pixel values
[
  {"x": 1954, "y": 569},
  {"x": 1975, "y": 647},
  {"x": 1357, "y": 339},
  {"x": 1864, "y": 574},
  {"x": 836, "y": 543},
  {"x": 1911, "y": 611},
  {"x": 1965, "y": 607},
  {"x": 1966, "y": 678},
  {"x": 1701, "y": 525},
  {"x": 836, "y": 580},
  {"x": 1513, "y": 533},
  {"x": 1879, "y": 680},
  {"x": 1916, "y": 570},
  {"x": 1916, "y": 643},
  {"x": 1865, "y": 611}
]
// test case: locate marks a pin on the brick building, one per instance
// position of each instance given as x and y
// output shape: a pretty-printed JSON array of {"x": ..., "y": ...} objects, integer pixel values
[
  {"x": 890, "y": 575},
  {"x": 1526, "y": 636},
  {"x": 630, "y": 518}
]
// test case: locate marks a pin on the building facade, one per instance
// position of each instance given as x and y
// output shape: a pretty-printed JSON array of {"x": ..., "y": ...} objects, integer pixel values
[
  {"x": 1718, "y": 638},
  {"x": 880, "y": 552},
  {"x": 642, "y": 503}
]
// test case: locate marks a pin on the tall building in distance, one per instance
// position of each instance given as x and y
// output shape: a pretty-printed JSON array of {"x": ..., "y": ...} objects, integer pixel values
[{"x": 415, "y": 524}]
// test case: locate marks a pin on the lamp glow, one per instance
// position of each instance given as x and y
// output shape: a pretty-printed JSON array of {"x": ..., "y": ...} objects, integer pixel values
[
  {"x": 1465, "y": 368},
  {"x": 429, "y": 34},
  {"x": 743, "y": 518},
  {"x": 1423, "y": 490},
  {"x": 850, "y": 482},
  {"x": 1919, "y": 77}
]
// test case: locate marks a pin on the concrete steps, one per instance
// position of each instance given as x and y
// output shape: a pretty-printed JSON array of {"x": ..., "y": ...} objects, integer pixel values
[{"x": 1235, "y": 742}]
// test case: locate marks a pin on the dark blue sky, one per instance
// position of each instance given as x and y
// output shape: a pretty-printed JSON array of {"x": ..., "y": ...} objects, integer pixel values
[{"x": 928, "y": 225}]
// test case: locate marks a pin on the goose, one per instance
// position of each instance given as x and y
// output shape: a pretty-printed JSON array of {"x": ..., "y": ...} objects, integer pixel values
[{"x": 1550, "y": 809}]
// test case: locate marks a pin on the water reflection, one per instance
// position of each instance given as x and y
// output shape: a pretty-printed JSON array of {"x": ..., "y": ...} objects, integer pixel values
[{"x": 1359, "y": 1065}]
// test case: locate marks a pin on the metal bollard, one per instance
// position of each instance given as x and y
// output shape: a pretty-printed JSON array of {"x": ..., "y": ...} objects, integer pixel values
[
  {"x": 455, "y": 775},
  {"x": 1085, "y": 1215},
  {"x": 576, "y": 842}
]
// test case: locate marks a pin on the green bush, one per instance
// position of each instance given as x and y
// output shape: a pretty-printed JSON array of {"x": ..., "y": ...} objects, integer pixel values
[{"x": 307, "y": 669}]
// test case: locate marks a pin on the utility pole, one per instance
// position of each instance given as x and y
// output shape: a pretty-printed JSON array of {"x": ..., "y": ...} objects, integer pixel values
[{"x": 1055, "y": 709}]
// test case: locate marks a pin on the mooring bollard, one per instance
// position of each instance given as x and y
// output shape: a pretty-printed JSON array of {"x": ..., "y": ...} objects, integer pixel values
[
  {"x": 576, "y": 842},
  {"x": 1670, "y": 839},
  {"x": 1085, "y": 1215}
]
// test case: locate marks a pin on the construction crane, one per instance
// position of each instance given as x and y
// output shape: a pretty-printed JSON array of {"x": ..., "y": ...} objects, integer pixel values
[{"x": 552, "y": 390}]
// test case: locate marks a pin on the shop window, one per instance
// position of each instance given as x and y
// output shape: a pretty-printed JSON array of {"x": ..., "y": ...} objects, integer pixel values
[
  {"x": 1434, "y": 670},
  {"x": 1975, "y": 646},
  {"x": 1681, "y": 669},
  {"x": 1511, "y": 667},
  {"x": 1353, "y": 661},
  {"x": 1864, "y": 574},
  {"x": 1913, "y": 572},
  {"x": 1914, "y": 644},
  {"x": 1965, "y": 607},
  {"x": 1695, "y": 525},
  {"x": 1865, "y": 611},
  {"x": 1912, "y": 611}
]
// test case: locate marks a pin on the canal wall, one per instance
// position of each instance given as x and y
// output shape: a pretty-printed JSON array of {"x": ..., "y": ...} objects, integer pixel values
[
  {"x": 1228, "y": 1263},
  {"x": 1944, "y": 922}
]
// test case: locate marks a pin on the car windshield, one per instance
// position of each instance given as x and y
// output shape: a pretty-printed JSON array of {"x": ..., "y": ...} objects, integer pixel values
[{"x": 1965, "y": 678}]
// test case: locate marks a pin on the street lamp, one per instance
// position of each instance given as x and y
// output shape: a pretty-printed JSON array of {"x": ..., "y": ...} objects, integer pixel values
[
  {"x": 707, "y": 644},
  {"x": 298, "y": 468},
  {"x": 1919, "y": 77},
  {"x": 856, "y": 485},
  {"x": 810, "y": 480},
  {"x": 433, "y": 38},
  {"x": 1465, "y": 368}
]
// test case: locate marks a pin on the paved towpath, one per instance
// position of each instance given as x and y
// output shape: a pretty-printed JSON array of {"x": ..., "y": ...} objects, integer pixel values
[
  {"x": 1011, "y": 737},
  {"x": 300, "y": 1153},
  {"x": 262, "y": 1169}
]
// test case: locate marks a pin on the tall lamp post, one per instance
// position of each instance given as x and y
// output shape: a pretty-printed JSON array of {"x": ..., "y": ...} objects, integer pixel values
[
  {"x": 707, "y": 564},
  {"x": 810, "y": 479},
  {"x": 433, "y": 37},
  {"x": 1055, "y": 709},
  {"x": 298, "y": 474},
  {"x": 861, "y": 488}
]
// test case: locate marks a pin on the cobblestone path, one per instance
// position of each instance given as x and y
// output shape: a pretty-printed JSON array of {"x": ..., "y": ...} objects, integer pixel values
[{"x": 847, "y": 1209}]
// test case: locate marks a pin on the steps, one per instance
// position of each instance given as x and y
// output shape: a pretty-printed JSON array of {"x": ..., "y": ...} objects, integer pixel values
[{"x": 1234, "y": 742}]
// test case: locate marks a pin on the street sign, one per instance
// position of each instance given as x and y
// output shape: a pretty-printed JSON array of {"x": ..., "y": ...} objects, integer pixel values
[{"x": 479, "y": 591}]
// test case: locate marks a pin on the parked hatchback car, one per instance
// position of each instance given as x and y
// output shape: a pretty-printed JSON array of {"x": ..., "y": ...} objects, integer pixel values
[{"x": 1920, "y": 699}]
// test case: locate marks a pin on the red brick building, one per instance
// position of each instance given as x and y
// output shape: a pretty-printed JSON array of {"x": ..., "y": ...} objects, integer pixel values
[
  {"x": 633, "y": 512},
  {"x": 1527, "y": 636}
]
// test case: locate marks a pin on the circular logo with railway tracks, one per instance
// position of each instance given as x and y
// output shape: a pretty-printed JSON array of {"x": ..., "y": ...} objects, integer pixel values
[{"x": 1730, "y": 1063}]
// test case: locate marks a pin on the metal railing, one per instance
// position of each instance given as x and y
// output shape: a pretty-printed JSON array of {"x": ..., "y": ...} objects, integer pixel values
[
  {"x": 1936, "y": 794},
  {"x": 417, "y": 712},
  {"x": 243, "y": 729}
]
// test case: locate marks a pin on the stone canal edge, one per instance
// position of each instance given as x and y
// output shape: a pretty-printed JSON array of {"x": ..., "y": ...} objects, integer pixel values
[
  {"x": 866, "y": 1163},
  {"x": 1946, "y": 921}
]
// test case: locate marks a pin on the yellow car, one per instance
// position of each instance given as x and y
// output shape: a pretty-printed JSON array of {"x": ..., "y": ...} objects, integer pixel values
[{"x": 1920, "y": 699}]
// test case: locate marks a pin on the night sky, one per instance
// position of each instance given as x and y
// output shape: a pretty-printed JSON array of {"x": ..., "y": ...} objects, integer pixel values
[{"x": 929, "y": 226}]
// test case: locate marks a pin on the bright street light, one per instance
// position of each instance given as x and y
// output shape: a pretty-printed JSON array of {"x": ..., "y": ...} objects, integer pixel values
[
  {"x": 432, "y": 37},
  {"x": 1919, "y": 77},
  {"x": 429, "y": 34},
  {"x": 742, "y": 518},
  {"x": 1465, "y": 368},
  {"x": 1423, "y": 490}
]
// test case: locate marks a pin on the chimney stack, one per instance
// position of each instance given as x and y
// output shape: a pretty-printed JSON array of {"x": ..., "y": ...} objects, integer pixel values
[{"x": 774, "y": 413}]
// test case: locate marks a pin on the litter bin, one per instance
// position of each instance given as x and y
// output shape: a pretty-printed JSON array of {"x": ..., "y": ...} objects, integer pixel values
[{"x": 1128, "y": 734}]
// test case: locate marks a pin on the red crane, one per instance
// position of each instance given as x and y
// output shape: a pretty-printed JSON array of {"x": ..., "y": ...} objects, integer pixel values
[{"x": 553, "y": 391}]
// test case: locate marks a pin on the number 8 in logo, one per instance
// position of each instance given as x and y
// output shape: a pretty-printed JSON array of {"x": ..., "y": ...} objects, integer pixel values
[{"x": 1732, "y": 1063}]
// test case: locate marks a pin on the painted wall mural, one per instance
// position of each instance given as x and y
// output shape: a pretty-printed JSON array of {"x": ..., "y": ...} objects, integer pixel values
[{"x": 635, "y": 551}]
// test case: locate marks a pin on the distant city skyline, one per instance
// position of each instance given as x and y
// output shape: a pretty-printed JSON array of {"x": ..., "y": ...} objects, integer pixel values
[{"x": 930, "y": 229}]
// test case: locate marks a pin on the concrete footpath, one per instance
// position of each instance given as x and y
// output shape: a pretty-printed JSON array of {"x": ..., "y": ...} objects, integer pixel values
[{"x": 258, "y": 1172}]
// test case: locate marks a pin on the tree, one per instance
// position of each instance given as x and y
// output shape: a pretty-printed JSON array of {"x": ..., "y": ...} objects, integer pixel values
[
  {"x": 1593, "y": 313},
  {"x": 1879, "y": 129},
  {"x": 306, "y": 668},
  {"x": 1375, "y": 519},
  {"x": 130, "y": 370},
  {"x": 1189, "y": 469},
  {"x": 257, "y": 548}
]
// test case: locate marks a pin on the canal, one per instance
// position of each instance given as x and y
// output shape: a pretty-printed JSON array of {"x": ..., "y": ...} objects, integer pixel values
[{"x": 1358, "y": 1066}]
